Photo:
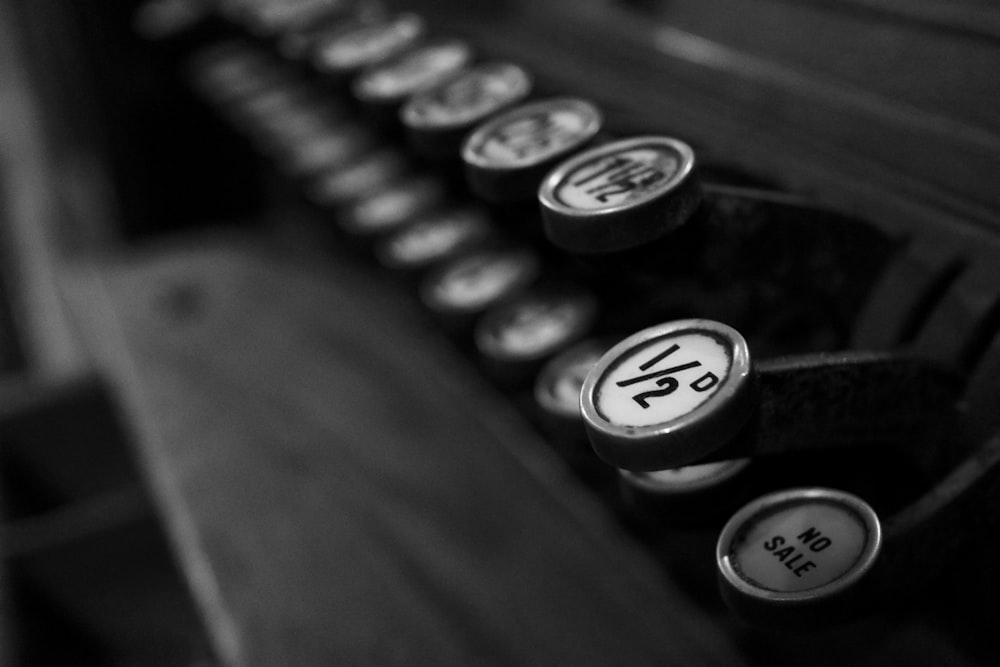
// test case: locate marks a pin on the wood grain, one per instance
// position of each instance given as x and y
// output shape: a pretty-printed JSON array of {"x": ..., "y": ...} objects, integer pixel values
[{"x": 341, "y": 490}]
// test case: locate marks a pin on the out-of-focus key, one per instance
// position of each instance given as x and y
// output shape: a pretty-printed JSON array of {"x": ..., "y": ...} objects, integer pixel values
[
  {"x": 271, "y": 18},
  {"x": 330, "y": 149},
  {"x": 335, "y": 188},
  {"x": 437, "y": 120},
  {"x": 459, "y": 291},
  {"x": 387, "y": 209},
  {"x": 516, "y": 338},
  {"x": 345, "y": 52},
  {"x": 298, "y": 42},
  {"x": 434, "y": 238},
  {"x": 507, "y": 157},
  {"x": 384, "y": 87}
]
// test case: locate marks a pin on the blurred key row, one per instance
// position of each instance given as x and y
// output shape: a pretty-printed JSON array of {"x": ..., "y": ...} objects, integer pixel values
[{"x": 641, "y": 305}]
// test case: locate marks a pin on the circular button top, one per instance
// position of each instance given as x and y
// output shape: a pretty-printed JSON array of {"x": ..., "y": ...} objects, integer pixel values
[
  {"x": 350, "y": 50},
  {"x": 272, "y": 17},
  {"x": 438, "y": 119},
  {"x": 472, "y": 283},
  {"x": 232, "y": 71},
  {"x": 797, "y": 548},
  {"x": 557, "y": 389},
  {"x": 390, "y": 82},
  {"x": 507, "y": 157},
  {"x": 668, "y": 395},
  {"x": 297, "y": 43},
  {"x": 331, "y": 149},
  {"x": 434, "y": 237},
  {"x": 295, "y": 129},
  {"x": 163, "y": 19},
  {"x": 358, "y": 178},
  {"x": 536, "y": 324},
  {"x": 385, "y": 210},
  {"x": 620, "y": 195},
  {"x": 270, "y": 104}
]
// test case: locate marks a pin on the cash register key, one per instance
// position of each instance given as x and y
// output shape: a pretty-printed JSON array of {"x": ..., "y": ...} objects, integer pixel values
[
  {"x": 271, "y": 18},
  {"x": 357, "y": 179},
  {"x": 344, "y": 53},
  {"x": 472, "y": 283},
  {"x": 620, "y": 196},
  {"x": 284, "y": 134},
  {"x": 386, "y": 85},
  {"x": 437, "y": 120},
  {"x": 434, "y": 238},
  {"x": 332, "y": 148},
  {"x": 668, "y": 394},
  {"x": 507, "y": 157},
  {"x": 535, "y": 325},
  {"x": 798, "y": 551},
  {"x": 271, "y": 105},
  {"x": 385, "y": 210},
  {"x": 557, "y": 388},
  {"x": 231, "y": 71},
  {"x": 297, "y": 42}
]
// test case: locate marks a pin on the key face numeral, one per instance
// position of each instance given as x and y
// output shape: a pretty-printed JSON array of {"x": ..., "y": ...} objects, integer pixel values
[
  {"x": 618, "y": 178},
  {"x": 664, "y": 380},
  {"x": 532, "y": 134}
]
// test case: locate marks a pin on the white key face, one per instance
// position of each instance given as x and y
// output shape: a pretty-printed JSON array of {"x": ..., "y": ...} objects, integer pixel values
[
  {"x": 533, "y": 134},
  {"x": 331, "y": 149},
  {"x": 436, "y": 237},
  {"x": 370, "y": 43},
  {"x": 663, "y": 379},
  {"x": 800, "y": 547},
  {"x": 414, "y": 72},
  {"x": 357, "y": 178},
  {"x": 479, "y": 280},
  {"x": 536, "y": 325},
  {"x": 621, "y": 177},
  {"x": 392, "y": 206},
  {"x": 468, "y": 97}
]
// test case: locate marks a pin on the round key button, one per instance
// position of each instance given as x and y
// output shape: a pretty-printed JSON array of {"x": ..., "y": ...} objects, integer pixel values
[
  {"x": 269, "y": 18},
  {"x": 388, "y": 83},
  {"x": 557, "y": 389},
  {"x": 472, "y": 283},
  {"x": 620, "y": 195},
  {"x": 385, "y": 210},
  {"x": 796, "y": 549},
  {"x": 519, "y": 334},
  {"x": 507, "y": 157},
  {"x": 358, "y": 178},
  {"x": 329, "y": 150},
  {"x": 346, "y": 52},
  {"x": 669, "y": 395},
  {"x": 434, "y": 238},
  {"x": 438, "y": 119}
]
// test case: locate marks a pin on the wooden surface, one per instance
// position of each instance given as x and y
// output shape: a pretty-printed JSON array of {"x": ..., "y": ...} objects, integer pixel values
[{"x": 342, "y": 490}]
